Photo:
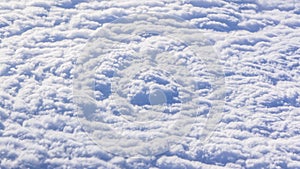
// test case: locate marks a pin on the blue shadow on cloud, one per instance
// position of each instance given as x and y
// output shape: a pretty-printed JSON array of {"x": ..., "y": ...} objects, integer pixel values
[
  {"x": 70, "y": 4},
  {"x": 142, "y": 98},
  {"x": 104, "y": 90}
]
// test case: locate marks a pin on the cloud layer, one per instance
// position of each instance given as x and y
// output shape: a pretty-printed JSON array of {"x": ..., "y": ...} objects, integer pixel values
[{"x": 258, "y": 46}]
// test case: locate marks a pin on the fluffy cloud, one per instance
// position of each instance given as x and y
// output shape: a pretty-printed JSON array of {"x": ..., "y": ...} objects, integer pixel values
[{"x": 257, "y": 43}]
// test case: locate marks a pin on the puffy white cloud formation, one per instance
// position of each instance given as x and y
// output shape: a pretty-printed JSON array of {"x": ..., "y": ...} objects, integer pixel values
[{"x": 257, "y": 43}]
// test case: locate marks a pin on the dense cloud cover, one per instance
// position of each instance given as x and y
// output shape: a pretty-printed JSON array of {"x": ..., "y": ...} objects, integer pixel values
[{"x": 257, "y": 43}]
